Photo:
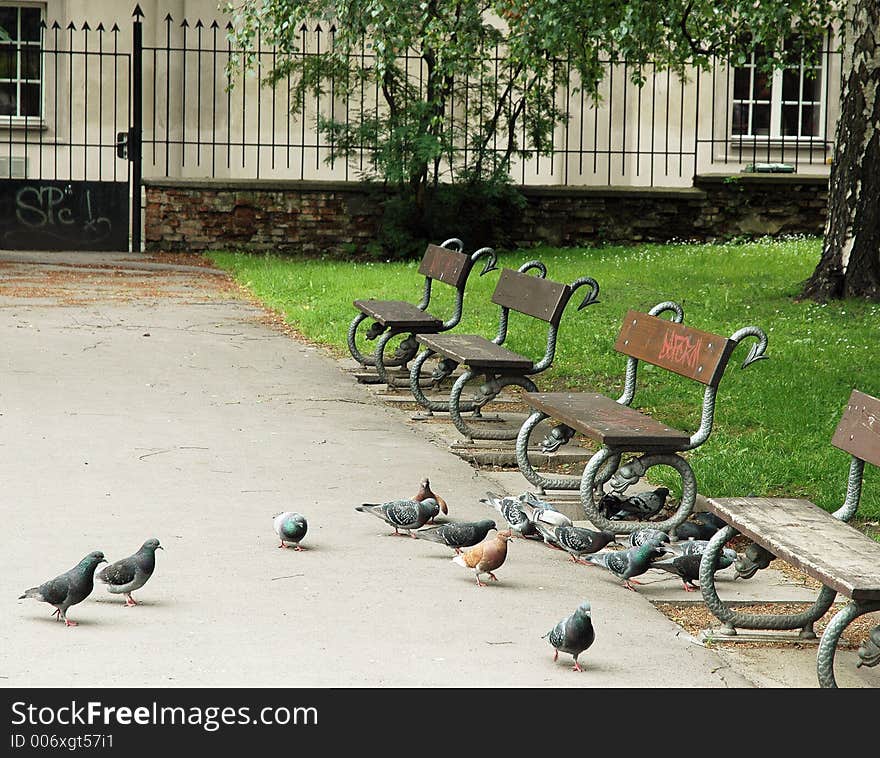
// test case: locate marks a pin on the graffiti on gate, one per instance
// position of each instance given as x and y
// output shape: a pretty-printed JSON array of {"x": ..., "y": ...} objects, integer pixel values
[{"x": 75, "y": 215}]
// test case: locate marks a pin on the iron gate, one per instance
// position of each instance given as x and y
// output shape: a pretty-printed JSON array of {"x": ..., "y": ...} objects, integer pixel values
[{"x": 65, "y": 169}]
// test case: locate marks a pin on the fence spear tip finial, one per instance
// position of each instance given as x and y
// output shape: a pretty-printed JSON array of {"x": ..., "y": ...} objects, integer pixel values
[
  {"x": 114, "y": 28},
  {"x": 137, "y": 12}
]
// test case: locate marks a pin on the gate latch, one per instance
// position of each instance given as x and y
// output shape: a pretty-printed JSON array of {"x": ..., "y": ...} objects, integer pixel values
[{"x": 122, "y": 145}]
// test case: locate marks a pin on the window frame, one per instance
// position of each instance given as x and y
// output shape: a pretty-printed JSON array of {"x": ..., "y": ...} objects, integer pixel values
[
  {"x": 17, "y": 120},
  {"x": 777, "y": 103}
]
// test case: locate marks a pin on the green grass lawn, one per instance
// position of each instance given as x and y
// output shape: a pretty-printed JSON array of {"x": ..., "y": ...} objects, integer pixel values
[{"x": 774, "y": 421}]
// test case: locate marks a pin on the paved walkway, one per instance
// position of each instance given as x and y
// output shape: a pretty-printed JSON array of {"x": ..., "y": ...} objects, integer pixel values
[{"x": 139, "y": 400}]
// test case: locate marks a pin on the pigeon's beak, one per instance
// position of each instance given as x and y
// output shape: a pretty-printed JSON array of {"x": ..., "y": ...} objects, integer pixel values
[{"x": 159, "y": 547}]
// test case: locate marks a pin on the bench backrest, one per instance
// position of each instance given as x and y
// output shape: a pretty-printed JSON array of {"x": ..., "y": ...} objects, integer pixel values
[
  {"x": 542, "y": 298},
  {"x": 690, "y": 352},
  {"x": 858, "y": 432},
  {"x": 445, "y": 265}
]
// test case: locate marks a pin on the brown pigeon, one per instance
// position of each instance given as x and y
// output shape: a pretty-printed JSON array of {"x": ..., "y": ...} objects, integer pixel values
[
  {"x": 485, "y": 557},
  {"x": 425, "y": 491}
]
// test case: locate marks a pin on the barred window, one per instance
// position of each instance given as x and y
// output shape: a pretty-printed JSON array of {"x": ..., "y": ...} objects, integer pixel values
[
  {"x": 782, "y": 103},
  {"x": 20, "y": 60}
]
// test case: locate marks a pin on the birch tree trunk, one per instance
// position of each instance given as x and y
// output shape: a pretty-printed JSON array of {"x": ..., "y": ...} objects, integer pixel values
[{"x": 850, "y": 262}]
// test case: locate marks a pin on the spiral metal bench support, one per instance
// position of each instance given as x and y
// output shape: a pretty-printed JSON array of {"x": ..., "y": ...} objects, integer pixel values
[
  {"x": 620, "y": 429},
  {"x": 819, "y": 543}
]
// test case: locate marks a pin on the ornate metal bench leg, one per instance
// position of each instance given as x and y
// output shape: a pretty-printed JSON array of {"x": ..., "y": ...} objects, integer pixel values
[
  {"x": 379, "y": 355},
  {"x": 488, "y": 391},
  {"x": 414, "y": 384},
  {"x": 732, "y": 620},
  {"x": 828, "y": 646},
  {"x": 630, "y": 473},
  {"x": 364, "y": 360},
  {"x": 543, "y": 483}
]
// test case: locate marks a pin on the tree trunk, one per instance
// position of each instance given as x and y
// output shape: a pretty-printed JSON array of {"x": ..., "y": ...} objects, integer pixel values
[{"x": 850, "y": 262}]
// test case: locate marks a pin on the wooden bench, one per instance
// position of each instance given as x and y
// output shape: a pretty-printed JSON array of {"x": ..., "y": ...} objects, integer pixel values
[
  {"x": 443, "y": 263},
  {"x": 820, "y": 544},
  {"x": 517, "y": 290},
  {"x": 619, "y": 428}
]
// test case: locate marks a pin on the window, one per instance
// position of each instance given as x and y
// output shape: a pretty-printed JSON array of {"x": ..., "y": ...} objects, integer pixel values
[
  {"x": 20, "y": 60},
  {"x": 784, "y": 103}
]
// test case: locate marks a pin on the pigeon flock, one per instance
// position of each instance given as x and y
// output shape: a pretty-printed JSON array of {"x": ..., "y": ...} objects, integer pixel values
[{"x": 476, "y": 549}]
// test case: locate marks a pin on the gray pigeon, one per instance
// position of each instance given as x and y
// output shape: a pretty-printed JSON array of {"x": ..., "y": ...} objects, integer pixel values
[
  {"x": 700, "y": 526},
  {"x": 573, "y": 635},
  {"x": 457, "y": 535},
  {"x": 290, "y": 527},
  {"x": 403, "y": 514},
  {"x": 69, "y": 588},
  {"x": 687, "y": 565},
  {"x": 645, "y": 535},
  {"x": 633, "y": 561},
  {"x": 131, "y": 573},
  {"x": 577, "y": 541},
  {"x": 642, "y": 505},
  {"x": 511, "y": 509},
  {"x": 547, "y": 516}
]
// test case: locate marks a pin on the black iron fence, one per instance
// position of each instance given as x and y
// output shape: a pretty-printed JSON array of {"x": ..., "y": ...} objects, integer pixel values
[{"x": 109, "y": 102}]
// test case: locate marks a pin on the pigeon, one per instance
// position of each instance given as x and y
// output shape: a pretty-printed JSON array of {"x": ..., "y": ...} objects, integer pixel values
[
  {"x": 869, "y": 650},
  {"x": 131, "y": 573},
  {"x": 689, "y": 547},
  {"x": 69, "y": 588},
  {"x": 290, "y": 527},
  {"x": 511, "y": 509},
  {"x": 573, "y": 635},
  {"x": 457, "y": 535},
  {"x": 485, "y": 557},
  {"x": 633, "y": 561},
  {"x": 687, "y": 565},
  {"x": 424, "y": 492},
  {"x": 642, "y": 505},
  {"x": 575, "y": 540},
  {"x": 700, "y": 526},
  {"x": 537, "y": 514},
  {"x": 403, "y": 514},
  {"x": 646, "y": 535}
]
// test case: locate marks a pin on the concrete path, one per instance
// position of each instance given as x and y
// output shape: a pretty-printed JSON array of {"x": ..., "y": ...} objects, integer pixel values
[{"x": 141, "y": 400}]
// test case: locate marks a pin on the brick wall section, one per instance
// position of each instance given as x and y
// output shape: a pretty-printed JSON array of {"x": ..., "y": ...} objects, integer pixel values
[{"x": 342, "y": 218}]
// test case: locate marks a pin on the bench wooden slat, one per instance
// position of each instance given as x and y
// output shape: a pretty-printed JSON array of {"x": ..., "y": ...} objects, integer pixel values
[
  {"x": 445, "y": 265},
  {"x": 399, "y": 314},
  {"x": 810, "y": 538},
  {"x": 604, "y": 420},
  {"x": 541, "y": 298},
  {"x": 690, "y": 352},
  {"x": 858, "y": 432},
  {"x": 475, "y": 351}
]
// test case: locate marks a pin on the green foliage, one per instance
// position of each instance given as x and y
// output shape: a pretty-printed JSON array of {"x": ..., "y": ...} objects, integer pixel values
[{"x": 774, "y": 421}]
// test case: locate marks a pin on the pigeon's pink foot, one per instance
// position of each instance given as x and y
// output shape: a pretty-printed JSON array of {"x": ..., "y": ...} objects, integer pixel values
[
  {"x": 281, "y": 545},
  {"x": 68, "y": 622},
  {"x": 57, "y": 612},
  {"x": 689, "y": 588},
  {"x": 493, "y": 576},
  {"x": 555, "y": 655},
  {"x": 130, "y": 601},
  {"x": 297, "y": 548},
  {"x": 629, "y": 586},
  {"x": 635, "y": 581},
  {"x": 576, "y": 667}
]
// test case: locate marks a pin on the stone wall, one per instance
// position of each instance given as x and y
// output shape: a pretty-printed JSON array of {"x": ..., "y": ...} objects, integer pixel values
[{"x": 342, "y": 218}]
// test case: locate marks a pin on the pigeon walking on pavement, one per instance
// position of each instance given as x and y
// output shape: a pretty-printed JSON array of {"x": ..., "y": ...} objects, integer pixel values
[
  {"x": 290, "y": 527},
  {"x": 485, "y": 557},
  {"x": 625, "y": 564},
  {"x": 69, "y": 588},
  {"x": 457, "y": 535},
  {"x": 512, "y": 510},
  {"x": 403, "y": 514},
  {"x": 642, "y": 505},
  {"x": 686, "y": 565},
  {"x": 573, "y": 635},
  {"x": 646, "y": 535},
  {"x": 425, "y": 492},
  {"x": 130, "y": 574},
  {"x": 577, "y": 541}
]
